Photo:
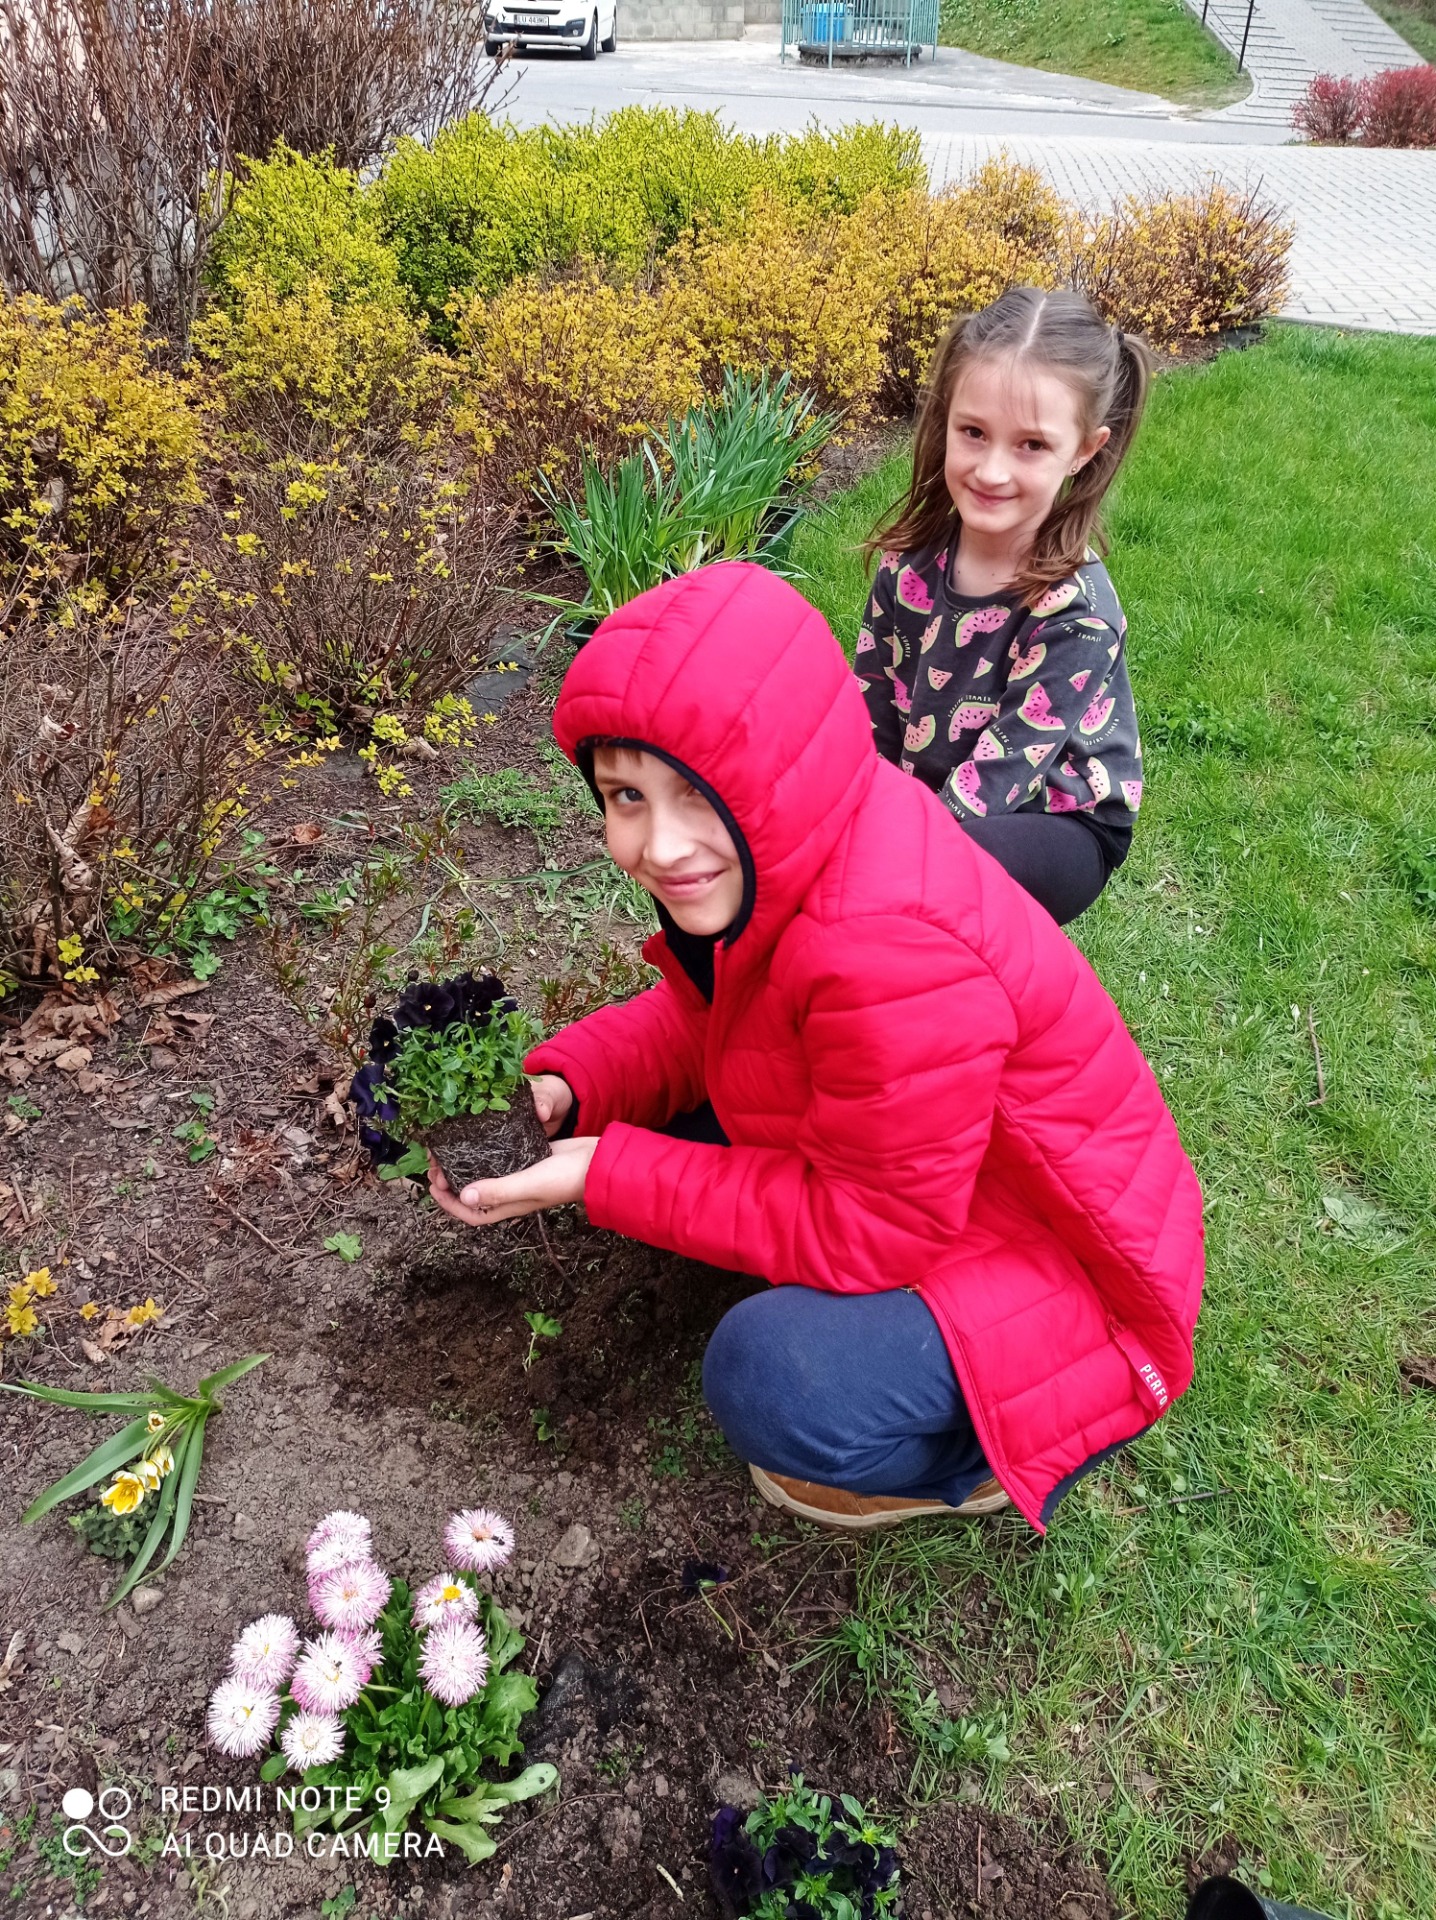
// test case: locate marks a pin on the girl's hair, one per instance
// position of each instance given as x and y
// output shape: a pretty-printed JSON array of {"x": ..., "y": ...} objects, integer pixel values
[{"x": 1107, "y": 371}]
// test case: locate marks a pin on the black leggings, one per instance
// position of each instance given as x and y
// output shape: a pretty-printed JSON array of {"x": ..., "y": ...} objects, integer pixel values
[{"x": 1055, "y": 859}]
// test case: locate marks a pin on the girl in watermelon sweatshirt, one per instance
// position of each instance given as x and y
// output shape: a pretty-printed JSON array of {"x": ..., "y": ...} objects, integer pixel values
[
  {"x": 992, "y": 653},
  {"x": 874, "y": 1073}
]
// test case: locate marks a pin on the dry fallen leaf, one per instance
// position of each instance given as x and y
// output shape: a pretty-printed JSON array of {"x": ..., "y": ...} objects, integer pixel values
[
  {"x": 73, "y": 1058},
  {"x": 307, "y": 833},
  {"x": 176, "y": 990},
  {"x": 93, "y": 1353}
]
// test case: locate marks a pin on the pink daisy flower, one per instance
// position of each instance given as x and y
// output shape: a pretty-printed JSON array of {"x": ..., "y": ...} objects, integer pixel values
[
  {"x": 241, "y": 1717},
  {"x": 367, "y": 1649},
  {"x": 330, "y": 1675},
  {"x": 478, "y": 1539},
  {"x": 351, "y": 1597},
  {"x": 454, "y": 1663},
  {"x": 312, "y": 1740},
  {"x": 445, "y": 1597},
  {"x": 340, "y": 1537},
  {"x": 264, "y": 1654}
]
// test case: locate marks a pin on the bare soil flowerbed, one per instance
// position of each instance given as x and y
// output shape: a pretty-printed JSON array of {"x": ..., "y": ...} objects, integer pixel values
[{"x": 397, "y": 1385}]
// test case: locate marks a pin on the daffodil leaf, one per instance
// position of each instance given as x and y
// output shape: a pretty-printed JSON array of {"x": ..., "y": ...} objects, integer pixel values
[
  {"x": 226, "y": 1376},
  {"x": 188, "y": 1454},
  {"x": 106, "y": 1458},
  {"x": 151, "y": 1543},
  {"x": 86, "y": 1402}
]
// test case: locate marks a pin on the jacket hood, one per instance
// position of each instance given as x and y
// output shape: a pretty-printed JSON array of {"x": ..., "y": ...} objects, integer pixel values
[{"x": 730, "y": 673}]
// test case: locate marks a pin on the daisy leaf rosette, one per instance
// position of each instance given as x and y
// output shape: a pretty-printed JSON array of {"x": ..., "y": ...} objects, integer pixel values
[{"x": 449, "y": 1048}]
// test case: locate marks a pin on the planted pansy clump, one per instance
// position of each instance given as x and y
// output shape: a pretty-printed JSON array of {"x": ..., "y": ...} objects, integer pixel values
[
  {"x": 800, "y": 1856},
  {"x": 445, "y": 1075}
]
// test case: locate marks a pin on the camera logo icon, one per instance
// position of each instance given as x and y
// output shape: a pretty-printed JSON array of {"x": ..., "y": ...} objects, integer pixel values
[{"x": 114, "y": 1807}]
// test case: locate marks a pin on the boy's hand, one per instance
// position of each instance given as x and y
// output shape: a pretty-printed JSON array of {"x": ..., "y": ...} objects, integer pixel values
[
  {"x": 553, "y": 1097},
  {"x": 555, "y": 1182}
]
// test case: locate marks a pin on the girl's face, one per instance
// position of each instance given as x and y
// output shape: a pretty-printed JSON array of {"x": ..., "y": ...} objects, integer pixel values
[
  {"x": 665, "y": 834},
  {"x": 1013, "y": 436}
]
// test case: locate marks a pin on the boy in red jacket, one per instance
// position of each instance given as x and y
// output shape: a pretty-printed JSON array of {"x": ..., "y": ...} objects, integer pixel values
[{"x": 875, "y": 1073}]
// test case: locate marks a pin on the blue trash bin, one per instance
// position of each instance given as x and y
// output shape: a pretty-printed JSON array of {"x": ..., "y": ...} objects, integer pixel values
[{"x": 825, "y": 24}]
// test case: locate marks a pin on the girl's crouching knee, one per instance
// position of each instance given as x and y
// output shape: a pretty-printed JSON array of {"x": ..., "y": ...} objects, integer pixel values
[{"x": 746, "y": 1379}]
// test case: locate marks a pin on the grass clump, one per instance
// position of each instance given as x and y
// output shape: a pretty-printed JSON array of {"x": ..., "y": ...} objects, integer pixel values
[
  {"x": 1152, "y": 46},
  {"x": 1227, "y": 1630}
]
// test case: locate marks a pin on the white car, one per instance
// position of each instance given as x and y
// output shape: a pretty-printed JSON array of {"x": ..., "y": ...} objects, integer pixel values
[{"x": 584, "y": 25}]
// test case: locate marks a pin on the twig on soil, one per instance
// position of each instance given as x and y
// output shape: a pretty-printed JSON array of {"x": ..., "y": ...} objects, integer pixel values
[
  {"x": 1320, "y": 1100},
  {"x": 669, "y": 1878},
  {"x": 979, "y": 1863},
  {"x": 561, "y": 1807},
  {"x": 235, "y": 1214},
  {"x": 547, "y": 1247},
  {"x": 150, "y": 1254}
]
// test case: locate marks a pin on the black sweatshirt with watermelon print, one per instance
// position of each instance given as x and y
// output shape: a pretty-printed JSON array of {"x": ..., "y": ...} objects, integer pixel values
[{"x": 1002, "y": 708}]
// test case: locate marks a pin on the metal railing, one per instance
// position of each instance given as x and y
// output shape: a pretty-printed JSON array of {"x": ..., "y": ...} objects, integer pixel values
[
  {"x": 1246, "y": 31},
  {"x": 835, "y": 31}
]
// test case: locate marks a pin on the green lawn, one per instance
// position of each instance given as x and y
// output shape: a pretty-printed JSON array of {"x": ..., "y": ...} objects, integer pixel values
[
  {"x": 1414, "y": 20},
  {"x": 1165, "y": 1670},
  {"x": 1154, "y": 46}
]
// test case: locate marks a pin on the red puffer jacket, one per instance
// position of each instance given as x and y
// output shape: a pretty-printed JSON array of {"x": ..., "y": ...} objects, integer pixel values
[{"x": 923, "y": 1080}]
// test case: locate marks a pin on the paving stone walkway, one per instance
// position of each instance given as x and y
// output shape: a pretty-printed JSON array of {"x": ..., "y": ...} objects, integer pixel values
[
  {"x": 1364, "y": 252},
  {"x": 1291, "y": 41}
]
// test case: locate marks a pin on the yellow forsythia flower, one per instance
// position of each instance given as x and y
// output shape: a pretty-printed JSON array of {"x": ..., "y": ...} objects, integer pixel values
[
  {"x": 40, "y": 1283},
  {"x": 90, "y": 1311},
  {"x": 145, "y": 1315},
  {"x": 21, "y": 1320}
]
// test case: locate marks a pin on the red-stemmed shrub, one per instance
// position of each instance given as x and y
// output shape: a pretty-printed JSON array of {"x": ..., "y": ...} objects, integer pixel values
[
  {"x": 1329, "y": 112},
  {"x": 1392, "y": 109},
  {"x": 1398, "y": 108}
]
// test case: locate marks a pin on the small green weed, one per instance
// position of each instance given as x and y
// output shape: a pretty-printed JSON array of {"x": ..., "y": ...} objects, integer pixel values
[
  {"x": 541, "y": 1327},
  {"x": 193, "y": 1135},
  {"x": 513, "y": 798},
  {"x": 80, "y": 1870},
  {"x": 348, "y": 1246}
]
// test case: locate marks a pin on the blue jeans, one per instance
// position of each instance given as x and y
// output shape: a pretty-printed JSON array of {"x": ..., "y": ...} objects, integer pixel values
[{"x": 853, "y": 1390}]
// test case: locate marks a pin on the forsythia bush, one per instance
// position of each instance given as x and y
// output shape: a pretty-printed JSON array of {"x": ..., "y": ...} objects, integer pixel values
[
  {"x": 97, "y": 449},
  {"x": 789, "y": 287},
  {"x": 954, "y": 252},
  {"x": 293, "y": 220},
  {"x": 1183, "y": 268},
  {"x": 488, "y": 203},
  {"x": 553, "y": 369}
]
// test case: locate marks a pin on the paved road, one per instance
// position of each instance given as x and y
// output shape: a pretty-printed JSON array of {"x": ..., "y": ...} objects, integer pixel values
[
  {"x": 1364, "y": 253},
  {"x": 745, "y": 81}
]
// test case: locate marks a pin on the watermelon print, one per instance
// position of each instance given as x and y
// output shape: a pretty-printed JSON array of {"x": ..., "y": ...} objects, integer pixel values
[
  {"x": 965, "y": 784},
  {"x": 992, "y": 703},
  {"x": 971, "y": 714},
  {"x": 1036, "y": 709},
  {"x": 985, "y": 620},
  {"x": 866, "y": 642},
  {"x": 1057, "y": 598},
  {"x": 1026, "y": 661},
  {"x": 913, "y": 591}
]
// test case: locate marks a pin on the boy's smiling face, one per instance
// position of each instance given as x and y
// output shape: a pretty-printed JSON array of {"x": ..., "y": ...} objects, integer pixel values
[{"x": 663, "y": 833}]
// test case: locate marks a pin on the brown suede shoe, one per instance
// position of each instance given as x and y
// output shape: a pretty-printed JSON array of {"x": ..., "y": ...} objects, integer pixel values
[{"x": 860, "y": 1512}]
